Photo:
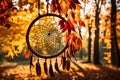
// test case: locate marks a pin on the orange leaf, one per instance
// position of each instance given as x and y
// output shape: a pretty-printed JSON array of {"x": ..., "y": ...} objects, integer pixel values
[
  {"x": 79, "y": 43},
  {"x": 5, "y": 3},
  {"x": 52, "y": 8},
  {"x": 68, "y": 38},
  {"x": 78, "y": 7},
  {"x": 64, "y": 6}
]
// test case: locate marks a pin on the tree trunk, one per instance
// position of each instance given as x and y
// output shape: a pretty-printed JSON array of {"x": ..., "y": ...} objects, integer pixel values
[
  {"x": 115, "y": 56},
  {"x": 96, "y": 59},
  {"x": 89, "y": 45}
]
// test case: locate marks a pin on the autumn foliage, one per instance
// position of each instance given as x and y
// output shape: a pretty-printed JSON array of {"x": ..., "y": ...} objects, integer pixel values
[
  {"x": 5, "y": 6},
  {"x": 62, "y": 6},
  {"x": 12, "y": 17}
]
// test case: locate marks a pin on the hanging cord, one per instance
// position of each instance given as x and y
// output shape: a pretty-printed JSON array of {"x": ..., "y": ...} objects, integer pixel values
[
  {"x": 31, "y": 62},
  {"x": 38, "y": 7},
  {"x": 47, "y": 5}
]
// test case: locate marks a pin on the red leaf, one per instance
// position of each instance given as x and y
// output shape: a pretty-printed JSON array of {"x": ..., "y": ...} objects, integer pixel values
[
  {"x": 27, "y": 54},
  {"x": 5, "y": 3},
  {"x": 54, "y": 1},
  {"x": 72, "y": 6},
  {"x": 68, "y": 38},
  {"x": 55, "y": 6},
  {"x": 75, "y": 21},
  {"x": 65, "y": 26},
  {"x": 71, "y": 25},
  {"x": 81, "y": 23},
  {"x": 61, "y": 23},
  {"x": 67, "y": 54},
  {"x": 68, "y": 25}
]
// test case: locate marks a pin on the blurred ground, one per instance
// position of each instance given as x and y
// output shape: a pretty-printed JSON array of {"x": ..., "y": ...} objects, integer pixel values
[{"x": 78, "y": 71}]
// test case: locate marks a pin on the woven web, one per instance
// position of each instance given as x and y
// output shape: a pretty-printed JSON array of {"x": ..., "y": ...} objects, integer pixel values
[{"x": 45, "y": 36}]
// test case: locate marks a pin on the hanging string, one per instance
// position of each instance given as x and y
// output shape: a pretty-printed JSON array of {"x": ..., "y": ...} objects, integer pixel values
[
  {"x": 31, "y": 63},
  {"x": 38, "y": 7},
  {"x": 47, "y": 5}
]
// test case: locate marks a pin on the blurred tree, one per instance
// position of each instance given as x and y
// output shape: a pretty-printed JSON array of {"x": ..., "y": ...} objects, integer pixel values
[
  {"x": 115, "y": 55},
  {"x": 89, "y": 44},
  {"x": 89, "y": 26},
  {"x": 96, "y": 54}
]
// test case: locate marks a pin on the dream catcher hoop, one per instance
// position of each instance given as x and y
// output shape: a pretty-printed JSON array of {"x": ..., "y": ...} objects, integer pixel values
[
  {"x": 44, "y": 37},
  {"x": 45, "y": 40}
]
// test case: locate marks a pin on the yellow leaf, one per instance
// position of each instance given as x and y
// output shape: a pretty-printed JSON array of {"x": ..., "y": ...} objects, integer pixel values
[
  {"x": 10, "y": 54},
  {"x": 64, "y": 6}
]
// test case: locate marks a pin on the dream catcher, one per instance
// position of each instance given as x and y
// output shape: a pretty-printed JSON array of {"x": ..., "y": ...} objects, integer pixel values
[{"x": 48, "y": 38}]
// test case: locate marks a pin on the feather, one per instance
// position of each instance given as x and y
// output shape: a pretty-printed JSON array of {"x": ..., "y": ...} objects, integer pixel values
[
  {"x": 68, "y": 64},
  {"x": 56, "y": 67},
  {"x": 64, "y": 63},
  {"x": 38, "y": 68},
  {"x": 45, "y": 67},
  {"x": 51, "y": 70}
]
